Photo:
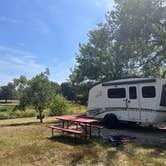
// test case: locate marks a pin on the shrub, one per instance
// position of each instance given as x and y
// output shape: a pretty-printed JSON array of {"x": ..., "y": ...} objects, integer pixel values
[
  {"x": 23, "y": 114},
  {"x": 59, "y": 106},
  {"x": 4, "y": 115}
]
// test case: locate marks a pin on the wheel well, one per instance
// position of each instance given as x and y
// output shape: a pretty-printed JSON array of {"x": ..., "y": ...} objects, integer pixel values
[
  {"x": 110, "y": 121},
  {"x": 110, "y": 115}
]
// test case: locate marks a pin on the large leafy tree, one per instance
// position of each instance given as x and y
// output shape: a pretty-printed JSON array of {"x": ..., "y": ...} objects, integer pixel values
[
  {"x": 139, "y": 27},
  {"x": 98, "y": 60},
  {"x": 132, "y": 42}
]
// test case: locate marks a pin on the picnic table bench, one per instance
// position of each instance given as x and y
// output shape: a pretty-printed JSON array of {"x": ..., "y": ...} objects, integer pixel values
[
  {"x": 85, "y": 123},
  {"x": 70, "y": 131}
]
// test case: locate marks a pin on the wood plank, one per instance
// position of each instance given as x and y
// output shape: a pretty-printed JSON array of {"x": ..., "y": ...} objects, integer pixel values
[{"x": 66, "y": 130}]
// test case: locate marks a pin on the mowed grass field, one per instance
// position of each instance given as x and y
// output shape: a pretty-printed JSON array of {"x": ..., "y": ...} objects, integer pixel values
[{"x": 26, "y": 142}]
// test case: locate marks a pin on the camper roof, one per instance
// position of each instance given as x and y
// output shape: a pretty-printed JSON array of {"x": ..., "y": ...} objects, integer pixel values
[{"x": 129, "y": 81}]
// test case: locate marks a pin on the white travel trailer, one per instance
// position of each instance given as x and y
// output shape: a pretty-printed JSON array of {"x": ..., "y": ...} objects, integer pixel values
[{"x": 141, "y": 100}]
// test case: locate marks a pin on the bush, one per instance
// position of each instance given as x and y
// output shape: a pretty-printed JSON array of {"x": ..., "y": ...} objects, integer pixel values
[
  {"x": 4, "y": 115},
  {"x": 22, "y": 114},
  {"x": 59, "y": 106}
]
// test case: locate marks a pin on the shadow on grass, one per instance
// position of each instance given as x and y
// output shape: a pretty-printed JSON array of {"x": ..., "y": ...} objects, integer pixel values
[
  {"x": 29, "y": 123},
  {"x": 70, "y": 140},
  {"x": 20, "y": 124},
  {"x": 135, "y": 127}
]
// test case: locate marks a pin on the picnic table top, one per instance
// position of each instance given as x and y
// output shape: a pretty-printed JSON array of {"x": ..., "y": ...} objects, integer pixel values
[{"x": 73, "y": 118}]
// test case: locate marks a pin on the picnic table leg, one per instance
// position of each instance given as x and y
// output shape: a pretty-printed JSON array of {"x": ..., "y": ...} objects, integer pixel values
[
  {"x": 77, "y": 126},
  {"x": 67, "y": 125},
  {"x": 52, "y": 132},
  {"x": 90, "y": 131},
  {"x": 85, "y": 130},
  {"x": 98, "y": 132},
  {"x": 63, "y": 124}
]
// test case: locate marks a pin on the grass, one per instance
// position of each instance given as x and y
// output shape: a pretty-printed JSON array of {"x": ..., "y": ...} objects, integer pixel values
[
  {"x": 26, "y": 142},
  {"x": 7, "y": 110}
]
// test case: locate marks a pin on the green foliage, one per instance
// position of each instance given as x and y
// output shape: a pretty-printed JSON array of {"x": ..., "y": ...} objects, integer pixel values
[
  {"x": 20, "y": 85},
  {"x": 59, "y": 106},
  {"x": 10, "y": 113},
  {"x": 22, "y": 114},
  {"x": 132, "y": 42},
  {"x": 75, "y": 108},
  {"x": 11, "y": 110},
  {"x": 39, "y": 93},
  {"x": 67, "y": 91},
  {"x": 141, "y": 34},
  {"x": 7, "y": 92}
]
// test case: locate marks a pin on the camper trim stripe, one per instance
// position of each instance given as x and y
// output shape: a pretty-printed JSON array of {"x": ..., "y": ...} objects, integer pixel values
[{"x": 98, "y": 111}]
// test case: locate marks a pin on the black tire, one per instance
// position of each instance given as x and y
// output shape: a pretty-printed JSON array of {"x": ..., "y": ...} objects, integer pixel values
[{"x": 110, "y": 121}]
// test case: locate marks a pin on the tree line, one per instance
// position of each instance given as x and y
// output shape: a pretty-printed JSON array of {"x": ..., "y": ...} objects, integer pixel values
[{"x": 38, "y": 92}]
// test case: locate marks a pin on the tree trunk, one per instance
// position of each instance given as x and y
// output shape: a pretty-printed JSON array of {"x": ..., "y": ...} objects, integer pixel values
[{"x": 40, "y": 117}]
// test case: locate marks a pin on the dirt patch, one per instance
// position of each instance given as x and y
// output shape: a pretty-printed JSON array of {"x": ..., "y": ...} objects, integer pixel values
[{"x": 144, "y": 135}]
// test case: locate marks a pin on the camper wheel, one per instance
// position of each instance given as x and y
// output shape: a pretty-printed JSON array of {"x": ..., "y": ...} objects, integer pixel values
[{"x": 110, "y": 121}]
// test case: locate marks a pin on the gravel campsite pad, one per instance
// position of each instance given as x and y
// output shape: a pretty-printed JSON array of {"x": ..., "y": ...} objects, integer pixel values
[{"x": 148, "y": 135}]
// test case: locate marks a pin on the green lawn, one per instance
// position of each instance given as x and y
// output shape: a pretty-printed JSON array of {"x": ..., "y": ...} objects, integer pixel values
[
  {"x": 7, "y": 112},
  {"x": 26, "y": 142}
]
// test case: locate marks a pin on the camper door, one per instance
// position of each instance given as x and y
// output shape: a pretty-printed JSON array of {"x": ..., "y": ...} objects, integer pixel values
[
  {"x": 125, "y": 98},
  {"x": 133, "y": 102}
]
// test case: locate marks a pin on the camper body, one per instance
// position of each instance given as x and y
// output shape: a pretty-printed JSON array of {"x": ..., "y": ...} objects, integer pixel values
[{"x": 141, "y": 100}]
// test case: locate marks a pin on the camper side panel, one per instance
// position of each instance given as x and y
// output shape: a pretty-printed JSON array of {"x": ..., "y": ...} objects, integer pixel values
[{"x": 96, "y": 101}]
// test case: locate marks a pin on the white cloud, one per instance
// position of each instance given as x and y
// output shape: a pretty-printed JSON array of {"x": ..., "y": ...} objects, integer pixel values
[{"x": 15, "y": 62}]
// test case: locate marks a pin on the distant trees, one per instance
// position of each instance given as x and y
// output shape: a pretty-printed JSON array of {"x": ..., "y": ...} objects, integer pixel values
[
  {"x": 7, "y": 92},
  {"x": 20, "y": 84},
  {"x": 39, "y": 93},
  {"x": 67, "y": 91}
]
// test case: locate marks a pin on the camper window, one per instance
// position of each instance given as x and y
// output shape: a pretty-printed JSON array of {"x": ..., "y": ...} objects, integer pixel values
[
  {"x": 163, "y": 96},
  {"x": 148, "y": 92},
  {"x": 133, "y": 92},
  {"x": 117, "y": 93}
]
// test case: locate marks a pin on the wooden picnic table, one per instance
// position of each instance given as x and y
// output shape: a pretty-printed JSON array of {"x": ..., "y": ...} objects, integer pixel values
[{"x": 84, "y": 122}]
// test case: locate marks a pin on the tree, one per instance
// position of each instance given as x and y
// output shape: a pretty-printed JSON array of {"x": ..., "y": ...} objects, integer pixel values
[
  {"x": 59, "y": 105},
  {"x": 132, "y": 42},
  {"x": 67, "y": 91},
  {"x": 98, "y": 60},
  {"x": 7, "y": 92},
  {"x": 39, "y": 93},
  {"x": 20, "y": 84},
  {"x": 139, "y": 27}
]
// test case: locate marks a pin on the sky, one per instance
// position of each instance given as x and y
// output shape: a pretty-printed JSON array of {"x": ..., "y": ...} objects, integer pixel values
[{"x": 40, "y": 34}]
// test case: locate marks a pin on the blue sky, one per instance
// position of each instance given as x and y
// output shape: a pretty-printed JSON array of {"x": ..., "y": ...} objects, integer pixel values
[{"x": 40, "y": 34}]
